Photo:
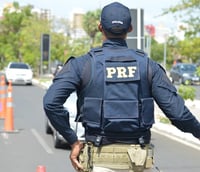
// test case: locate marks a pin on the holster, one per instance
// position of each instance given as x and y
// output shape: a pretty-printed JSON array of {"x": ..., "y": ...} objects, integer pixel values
[
  {"x": 140, "y": 157},
  {"x": 86, "y": 157}
]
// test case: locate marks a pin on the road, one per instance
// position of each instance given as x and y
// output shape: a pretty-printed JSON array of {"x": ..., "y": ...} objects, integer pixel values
[
  {"x": 29, "y": 146},
  {"x": 24, "y": 150}
]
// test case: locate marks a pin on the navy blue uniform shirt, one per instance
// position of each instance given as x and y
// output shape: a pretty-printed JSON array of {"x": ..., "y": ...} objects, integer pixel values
[{"x": 70, "y": 80}]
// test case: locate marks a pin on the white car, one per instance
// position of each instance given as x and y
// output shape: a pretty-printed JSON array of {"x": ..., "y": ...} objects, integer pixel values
[
  {"x": 59, "y": 141},
  {"x": 18, "y": 73}
]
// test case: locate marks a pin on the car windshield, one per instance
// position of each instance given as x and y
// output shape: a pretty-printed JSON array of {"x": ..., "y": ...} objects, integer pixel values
[
  {"x": 188, "y": 68},
  {"x": 19, "y": 66}
]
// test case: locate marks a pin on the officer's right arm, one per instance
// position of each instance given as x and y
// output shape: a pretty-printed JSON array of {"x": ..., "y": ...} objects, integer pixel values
[
  {"x": 167, "y": 98},
  {"x": 53, "y": 101}
]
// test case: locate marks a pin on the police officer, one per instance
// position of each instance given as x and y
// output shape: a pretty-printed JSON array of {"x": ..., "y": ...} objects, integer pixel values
[{"x": 116, "y": 88}]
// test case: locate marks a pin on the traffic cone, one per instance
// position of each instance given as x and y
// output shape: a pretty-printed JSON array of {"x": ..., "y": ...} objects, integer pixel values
[
  {"x": 2, "y": 97},
  {"x": 9, "y": 121},
  {"x": 41, "y": 168}
]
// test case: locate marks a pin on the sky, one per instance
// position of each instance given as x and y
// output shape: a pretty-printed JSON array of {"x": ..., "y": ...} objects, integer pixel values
[{"x": 65, "y": 8}]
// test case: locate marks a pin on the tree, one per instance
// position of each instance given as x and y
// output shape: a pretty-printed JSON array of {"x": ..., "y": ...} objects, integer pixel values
[
  {"x": 59, "y": 47},
  {"x": 90, "y": 24},
  {"x": 189, "y": 48},
  {"x": 30, "y": 38},
  {"x": 188, "y": 11},
  {"x": 11, "y": 25},
  {"x": 20, "y": 37},
  {"x": 79, "y": 47},
  {"x": 157, "y": 52}
]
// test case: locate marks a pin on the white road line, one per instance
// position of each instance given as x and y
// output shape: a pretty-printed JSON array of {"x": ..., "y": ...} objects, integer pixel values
[
  {"x": 4, "y": 135},
  {"x": 41, "y": 141},
  {"x": 177, "y": 139}
]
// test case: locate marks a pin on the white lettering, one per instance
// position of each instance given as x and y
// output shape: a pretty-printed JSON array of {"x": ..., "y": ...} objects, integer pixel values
[
  {"x": 131, "y": 71},
  {"x": 117, "y": 22},
  {"x": 121, "y": 72},
  {"x": 110, "y": 71}
]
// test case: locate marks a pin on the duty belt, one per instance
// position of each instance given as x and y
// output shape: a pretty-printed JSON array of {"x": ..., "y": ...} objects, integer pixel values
[{"x": 117, "y": 156}]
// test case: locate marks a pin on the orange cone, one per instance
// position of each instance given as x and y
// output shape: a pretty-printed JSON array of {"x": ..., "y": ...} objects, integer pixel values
[
  {"x": 2, "y": 97},
  {"x": 9, "y": 122},
  {"x": 41, "y": 168}
]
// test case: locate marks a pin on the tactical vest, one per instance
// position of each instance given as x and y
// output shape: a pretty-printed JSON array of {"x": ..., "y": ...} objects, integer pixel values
[{"x": 117, "y": 102}]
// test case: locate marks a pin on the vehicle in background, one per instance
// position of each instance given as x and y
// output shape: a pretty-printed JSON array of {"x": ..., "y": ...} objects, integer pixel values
[
  {"x": 184, "y": 73},
  {"x": 59, "y": 141},
  {"x": 19, "y": 73}
]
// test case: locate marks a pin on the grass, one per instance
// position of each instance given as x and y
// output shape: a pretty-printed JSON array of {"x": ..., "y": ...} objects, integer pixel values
[{"x": 164, "y": 120}]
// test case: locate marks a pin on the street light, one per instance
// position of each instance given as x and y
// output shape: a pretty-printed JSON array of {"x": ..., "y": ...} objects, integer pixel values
[
  {"x": 165, "y": 51},
  {"x": 162, "y": 34}
]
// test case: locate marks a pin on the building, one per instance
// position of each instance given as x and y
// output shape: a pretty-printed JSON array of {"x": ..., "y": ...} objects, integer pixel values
[{"x": 77, "y": 25}]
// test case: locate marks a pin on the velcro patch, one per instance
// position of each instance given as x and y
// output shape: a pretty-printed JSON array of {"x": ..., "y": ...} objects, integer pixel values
[{"x": 121, "y": 71}]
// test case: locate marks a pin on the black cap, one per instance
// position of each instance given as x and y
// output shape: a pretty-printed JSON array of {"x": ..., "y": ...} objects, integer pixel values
[{"x": 116, "y": 18}]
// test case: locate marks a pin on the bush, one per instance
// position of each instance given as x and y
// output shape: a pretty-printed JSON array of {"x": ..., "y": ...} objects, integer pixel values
[
  {"x": 198, "y": 71},
  {"x": 187, "y": 92}
]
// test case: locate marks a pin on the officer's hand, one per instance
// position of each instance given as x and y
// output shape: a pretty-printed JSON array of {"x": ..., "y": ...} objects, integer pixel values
[{"x": 76, "y": 148}]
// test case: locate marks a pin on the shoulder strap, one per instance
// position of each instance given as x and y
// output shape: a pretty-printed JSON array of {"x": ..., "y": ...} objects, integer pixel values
[
  {"x": 91, "y": 72},
  {"x": 71, "y": 57},
  {"x": 149, "y": 70}
]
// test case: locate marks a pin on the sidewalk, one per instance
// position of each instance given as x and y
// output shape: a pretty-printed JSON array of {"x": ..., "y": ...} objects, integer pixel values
[
  {"x": 164, "y": 128},
  {"x": 174, "y": 133}
]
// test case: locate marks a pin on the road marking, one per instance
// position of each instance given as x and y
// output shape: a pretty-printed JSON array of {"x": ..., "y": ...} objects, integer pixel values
[
  {"x": 187, "y": 143},
  {"x": 5, "y": 135},
  {"x": 41, "y": 141}
]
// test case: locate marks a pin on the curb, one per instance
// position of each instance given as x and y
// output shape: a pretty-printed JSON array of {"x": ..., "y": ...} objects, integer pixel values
[
  {"x": 174, "y": 133},
  {"x": 44, "y": 85}
]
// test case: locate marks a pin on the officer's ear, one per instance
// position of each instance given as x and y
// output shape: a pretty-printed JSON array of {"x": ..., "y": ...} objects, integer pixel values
[
  {"x": 130, "y": 28},
  {"x": 100, "y": 27},
  {"x": 104, "y": 37}
]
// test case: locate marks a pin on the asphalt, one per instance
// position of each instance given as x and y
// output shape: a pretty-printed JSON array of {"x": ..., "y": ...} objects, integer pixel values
[{"x": 164, "y": 128}]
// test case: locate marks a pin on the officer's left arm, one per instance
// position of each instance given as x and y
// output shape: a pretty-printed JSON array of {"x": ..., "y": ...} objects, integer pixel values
[
  {"x": 63, "y": 85},
  {"x": 167, "y": 98}
]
